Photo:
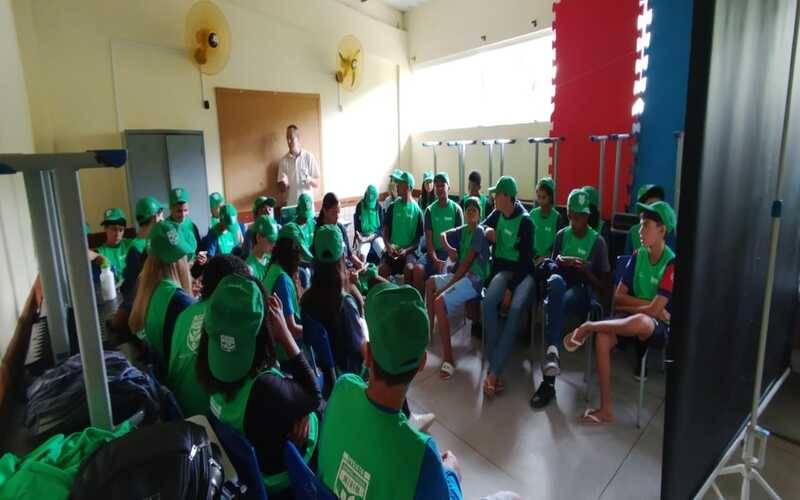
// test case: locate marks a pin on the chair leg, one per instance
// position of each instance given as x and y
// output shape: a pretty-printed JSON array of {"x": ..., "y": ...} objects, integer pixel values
[
  {"x": 587, "y": 374},
  {"x": 642, "y": 371}
]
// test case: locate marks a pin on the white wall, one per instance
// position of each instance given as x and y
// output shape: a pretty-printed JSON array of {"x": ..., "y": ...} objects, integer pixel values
[
  {"x": 100, "y": 66},
  {"x": 441, "y": 28},
  {"x": 17, "y": 260}
]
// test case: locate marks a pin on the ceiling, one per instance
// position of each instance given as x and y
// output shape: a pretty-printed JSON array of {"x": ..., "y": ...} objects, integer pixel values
[{"x": 403, "y": 5}]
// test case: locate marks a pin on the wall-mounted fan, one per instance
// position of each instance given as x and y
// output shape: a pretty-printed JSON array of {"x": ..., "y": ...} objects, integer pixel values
[
  {"x": 208, "y": 39},
  {"x": 350, "y": 62}
]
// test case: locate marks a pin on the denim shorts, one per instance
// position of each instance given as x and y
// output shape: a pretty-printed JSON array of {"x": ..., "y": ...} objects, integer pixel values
[{"x": 460, "y": 293}]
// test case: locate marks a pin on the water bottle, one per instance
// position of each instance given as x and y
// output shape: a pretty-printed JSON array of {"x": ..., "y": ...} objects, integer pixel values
[{"x": 108, "y": 288}]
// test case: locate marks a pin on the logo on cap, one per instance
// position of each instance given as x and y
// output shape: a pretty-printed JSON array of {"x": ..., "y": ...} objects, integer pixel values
[
  {"x": 582, "y": 199},
  {"x": 227, "y": 343},
  {"x": 178, "y": 191},
  {"x": 172, "y": 236},
  {"x": 109, "y": 213}
]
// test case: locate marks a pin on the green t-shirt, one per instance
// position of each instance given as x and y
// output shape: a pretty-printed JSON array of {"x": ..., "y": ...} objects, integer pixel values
[
  {"x": 506, "y": 237},
  {"x": 181, "y": 374},
  {"x": 545, "y": 229},
  {"x": 405, "y": 217},
  {"x": 442, "y": 219},
  {"x": 258, "y": 266},
  {"x": 370, "y": 221},
  {"x": 116, "y": 256}
]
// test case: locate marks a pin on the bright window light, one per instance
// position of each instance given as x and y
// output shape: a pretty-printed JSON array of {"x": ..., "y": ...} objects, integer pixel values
[{"x": 504, "y": 86}]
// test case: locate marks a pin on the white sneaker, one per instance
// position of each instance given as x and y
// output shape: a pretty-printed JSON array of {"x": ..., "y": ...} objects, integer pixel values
[{"x": 422, "y": 421}]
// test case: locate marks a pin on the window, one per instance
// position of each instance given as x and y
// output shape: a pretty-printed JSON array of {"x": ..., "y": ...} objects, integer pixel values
[{"x": 504, "y": 86}]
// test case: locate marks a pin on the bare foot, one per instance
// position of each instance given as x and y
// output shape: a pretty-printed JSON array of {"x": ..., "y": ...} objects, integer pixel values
[{"x": 596, "y": 417}]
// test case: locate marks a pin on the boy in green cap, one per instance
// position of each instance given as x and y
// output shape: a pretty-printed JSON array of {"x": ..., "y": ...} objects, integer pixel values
[
  {"x": 402, "y": 231},
  {"x": 512, "y": 287},
  {"x": 466, "y": 245},
  {"x": 427, "y": 194},
  {"x": 116, "y": 247},
  {"x": 546, "y": 219},
  {"x": 181, "y": 374},
  {"x": 179, "y": 214},
  {"x": 222, "y": 238},
  {"x": 368, "y": 225},
  {"x": 307, "y": 223},
  {"x": 263, "y": 205},
  {"x": 265, "y": 230},
  {"x": 392, "y": 189},
  {"x": 596, "y": 220},
  {"x": 364, "y": 420},
  {"x": 582, "y": 259},
  {"x": 645, "y": 293},
  {"x": 215, "y": 202},
  {"x": 474, "y": 190},
  {"x": 647, "y": 194},
  {"x": 442, "y": 215}
]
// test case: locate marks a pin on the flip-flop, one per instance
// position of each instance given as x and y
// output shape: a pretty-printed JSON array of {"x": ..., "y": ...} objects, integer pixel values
[
  {"x": 489, "y": 390},
  {"x": 588, "y": 418},
  {"x": 446, "y": 371},
  {"x": 571, "y": 344}
]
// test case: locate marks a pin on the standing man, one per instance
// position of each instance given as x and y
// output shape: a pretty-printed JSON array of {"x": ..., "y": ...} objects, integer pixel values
[{"x": 298, "y": 170}]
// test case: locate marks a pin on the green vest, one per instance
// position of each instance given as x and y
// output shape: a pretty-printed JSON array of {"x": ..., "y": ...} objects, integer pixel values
[
  {"x": 226, "y": 239},
  {"x": 116, "y": 256},
  {"x": 233, "y": 412},
  {"x": 507, "y": 237},
  {"x": 483, "y": 199},
  {"x": 442, "y": 219},
  {"x": 214, "y": 222},
  {"x": 545, "y": 231},
  {"x": 581, "y": 248},
  {"x": 405, "y": 217},
  {"x": 465, "y": 244},
  {"x": 181, "y": 375},
  {"x": 633, "y": 234},
  {"x": 369, "y": 220},
  {"x": 366, "y": 453},
  {"x": 187, "y": 228},
  {"x": 307, "y": 230},
  {"x": 140, "y": 244},
  {"x": 273, "y": 271},
  {"x": 258, "y": 267},
  {"x": 153, "y": 332},
  {"x": 648, "y": 276}
]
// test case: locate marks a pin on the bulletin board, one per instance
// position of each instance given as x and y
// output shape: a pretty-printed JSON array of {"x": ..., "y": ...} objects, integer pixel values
[{"x": 252, "y": 132}]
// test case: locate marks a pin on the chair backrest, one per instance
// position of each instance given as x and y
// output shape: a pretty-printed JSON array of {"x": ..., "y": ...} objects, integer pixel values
[
  {"x": 242, "y": 456},
  {"x": 619, "y": 268},
  {"x": 305, "y": 484},
  {"x": 315, "y": 336}
]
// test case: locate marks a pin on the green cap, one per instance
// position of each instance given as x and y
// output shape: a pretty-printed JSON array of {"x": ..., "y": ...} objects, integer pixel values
[
  {"x": 472, "y": 200},
  {"x": 371, "y": 195},
  {"x": 305, "y": 206},
  {"x": 228, "y": 215},
  {"x": 547, "y": 183},
  {"x": 367, "y": 274},
  {"x": 215, "y": 200},
  {"x": 266, "y": 227},
  {"x": 427, "y": 176},
  {"x": 442, "y": 177},
  {"x": 232, "y": 322},
  {"x": 403, "y": 176},
  {"x": 169, "y": 243},
  {"x": 396, "y": 173},
  {"x": 649, "y": 190},
  {"x": 147, "y": 207},
  {"x": 178, "y": 196},
  {"x": 398, "y": 327},
  {"x": 663, "y": 210},
  {"x": 261, "y": 201},
  {"x": 114, "y": 216},
  {"x": 506, "y": 185},
  {"x": 291, "y": 231},
  {"x": 594, "y": 195},
  {"x": 328, "y": 243},
  {"x": 578, "y": 201}
]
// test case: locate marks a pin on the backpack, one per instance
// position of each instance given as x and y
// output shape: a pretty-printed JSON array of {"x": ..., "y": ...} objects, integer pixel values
[{"x": 174, "y": 460}]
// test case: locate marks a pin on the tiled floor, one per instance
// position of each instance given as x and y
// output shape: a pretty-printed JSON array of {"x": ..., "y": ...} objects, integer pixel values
[{"x": 504, "y": 445}]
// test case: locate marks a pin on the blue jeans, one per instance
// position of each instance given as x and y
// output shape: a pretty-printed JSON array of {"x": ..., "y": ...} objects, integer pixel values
[
  {"x": 561, "y": 301},
  {"x": 500, "y": 333}
]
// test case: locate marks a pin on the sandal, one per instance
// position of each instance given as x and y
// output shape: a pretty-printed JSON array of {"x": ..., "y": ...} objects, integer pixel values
[
  {"x": 589, "y": 418},
  {"x": 446, "y": 371},
  {"x": 571, "y": 343},
  {"x": 489, "y": 389}
]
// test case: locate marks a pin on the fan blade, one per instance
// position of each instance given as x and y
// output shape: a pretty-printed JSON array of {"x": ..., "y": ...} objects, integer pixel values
[
  {"x": 354, "y": 79},
  {"x": 342, "y": 58}
]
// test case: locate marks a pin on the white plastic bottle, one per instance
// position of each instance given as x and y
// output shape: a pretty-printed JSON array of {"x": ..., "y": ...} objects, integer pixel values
[{"x": 108, "y": 288}]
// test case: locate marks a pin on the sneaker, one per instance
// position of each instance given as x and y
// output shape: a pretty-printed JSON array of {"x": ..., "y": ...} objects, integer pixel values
[
  {"x": 552, "y": 364},
  {"x": 421, "y": 421},
  {"x": 544, "y": 394}
]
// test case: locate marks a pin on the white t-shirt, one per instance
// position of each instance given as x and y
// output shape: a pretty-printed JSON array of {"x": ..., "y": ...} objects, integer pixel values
[{"x": 298, "y": 171}]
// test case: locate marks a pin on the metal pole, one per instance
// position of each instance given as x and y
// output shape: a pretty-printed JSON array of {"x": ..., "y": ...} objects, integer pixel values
[
  {"x": 535, "y": 162},
  {"x": 490, "y": 144},
  {"x": 601, "y": 168},
  {"x": 432, "y": 145},
  {"x": 502, "y": 143},
  {"x": 618, "y": 138},
  {"x": 462, "y": 151},
  {"x": 678, "y": 167},
  {"x": 83, "y": 299},
  {"x": 47, "y": 251},
  {"x": 56, "y": 234}
]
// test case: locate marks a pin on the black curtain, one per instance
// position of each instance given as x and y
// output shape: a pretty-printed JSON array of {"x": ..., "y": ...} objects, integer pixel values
[{"x": 738, "y": 83}]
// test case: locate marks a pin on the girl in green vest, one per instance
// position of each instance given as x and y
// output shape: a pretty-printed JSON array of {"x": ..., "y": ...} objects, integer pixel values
[
  {"x": 467, "y": 245},
  {"x": 265, "y": 234},
  {"x": 181, "y": 372},
  {"x": 581, "y": 257},
  {"x": 368, "y": 225},
  {"x": 163, "y": 290},
  {"x": 645, "y": 293},
  {"x": 116, "y": 247},
  {"x": 427, "y": 194},
  {"x": 282, "y": 278},
  {"x": 546, "y": 220},
  {"x": 263, "y": 205},
  {"x": 329, "y": 215},
  {"x": 402, "y": 231},
  {"x": 223, "y": 237},
  {"x": 236, "y": 364}
]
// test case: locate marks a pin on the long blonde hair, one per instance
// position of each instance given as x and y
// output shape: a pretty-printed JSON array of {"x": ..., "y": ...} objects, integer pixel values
[{"x": 153, "y": 272}]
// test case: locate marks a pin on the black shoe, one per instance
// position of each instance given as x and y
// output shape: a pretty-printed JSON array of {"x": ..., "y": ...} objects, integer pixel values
[
  {"x": 552, "y": 365},
  {"x": 477, "y": 330},
  {"x": 543, "y": 395}
]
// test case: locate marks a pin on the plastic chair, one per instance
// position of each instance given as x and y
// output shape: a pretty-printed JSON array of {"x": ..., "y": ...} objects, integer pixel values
[
  {"x": 315, "y": 336},
  {"x": 243, "y": 457},
  {"x": 304, "y": 483}
]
